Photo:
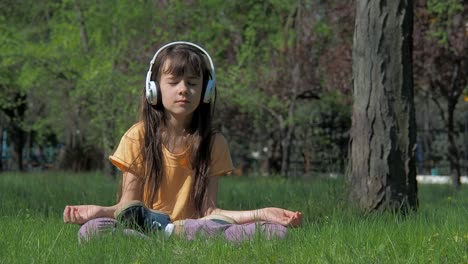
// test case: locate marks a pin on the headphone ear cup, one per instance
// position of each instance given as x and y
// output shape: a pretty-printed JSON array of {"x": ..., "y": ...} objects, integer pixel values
[
  {"x": 210, "y": 90},
  {"x": 152, "y": 93}
]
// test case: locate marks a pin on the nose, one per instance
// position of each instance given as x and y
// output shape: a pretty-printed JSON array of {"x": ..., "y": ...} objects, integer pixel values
[{"x": 182, "y": 88}]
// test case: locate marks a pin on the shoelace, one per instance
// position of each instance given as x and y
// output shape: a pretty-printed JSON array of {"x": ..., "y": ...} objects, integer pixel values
[
  {"x": 155, "y": 225},
  {"x": 167, "y": 230}
]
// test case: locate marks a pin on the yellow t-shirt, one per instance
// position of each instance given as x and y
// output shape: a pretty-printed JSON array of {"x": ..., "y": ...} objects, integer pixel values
[{"x": 173, "y": 196}]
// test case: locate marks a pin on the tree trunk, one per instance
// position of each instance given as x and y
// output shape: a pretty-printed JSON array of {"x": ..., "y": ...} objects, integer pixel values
[
  {"x": 14, "y": 129},
  {"x": 382, "y": 169},
  {"x": 1, "y": 147},
  {"x": 18, "y": 138},
  {"x": 83, "y": 31},
  {"x": 453, "y": 153},
  {"x": 286, "y": 150},
  {"x": 306, "y": 160}
]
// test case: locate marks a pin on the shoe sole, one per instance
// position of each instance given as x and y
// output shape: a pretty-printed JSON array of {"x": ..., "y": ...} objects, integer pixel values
[{"x": 136, "y": 215}]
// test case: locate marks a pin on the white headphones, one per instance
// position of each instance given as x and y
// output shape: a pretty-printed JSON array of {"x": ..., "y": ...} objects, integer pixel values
[{"x": 152, "y": 86}]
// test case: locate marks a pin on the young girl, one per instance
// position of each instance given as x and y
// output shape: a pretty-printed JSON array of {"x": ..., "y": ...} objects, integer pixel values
[{"x": 172, "y": 157}]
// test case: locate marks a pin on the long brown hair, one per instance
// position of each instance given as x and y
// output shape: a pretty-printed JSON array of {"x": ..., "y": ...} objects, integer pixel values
[{"x": 183, "y": 58}]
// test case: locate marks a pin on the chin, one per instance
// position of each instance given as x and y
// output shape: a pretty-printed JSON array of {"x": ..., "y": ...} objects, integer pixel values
[{"x": 182, "y": 114}]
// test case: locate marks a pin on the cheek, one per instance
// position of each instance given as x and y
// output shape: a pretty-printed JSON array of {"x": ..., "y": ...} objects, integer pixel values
[
  {"x": 165, "y": 95},
  {"x": 198, "y": 92}
]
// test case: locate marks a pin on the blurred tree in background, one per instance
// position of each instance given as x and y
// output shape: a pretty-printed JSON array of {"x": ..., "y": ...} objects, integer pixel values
[{"x": 441, "y": 67}]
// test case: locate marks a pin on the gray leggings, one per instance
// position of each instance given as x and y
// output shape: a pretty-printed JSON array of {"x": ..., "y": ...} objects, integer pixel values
[{"x": 190, "y": 229}]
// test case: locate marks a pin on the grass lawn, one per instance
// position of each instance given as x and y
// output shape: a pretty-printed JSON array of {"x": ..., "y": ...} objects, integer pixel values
[{"x": 31, "y": 228}]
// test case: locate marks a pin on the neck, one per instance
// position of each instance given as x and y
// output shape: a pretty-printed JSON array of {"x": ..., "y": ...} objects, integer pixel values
[
  {"x": 176, "y": 135},
  {"x": 178, "y": 126}
]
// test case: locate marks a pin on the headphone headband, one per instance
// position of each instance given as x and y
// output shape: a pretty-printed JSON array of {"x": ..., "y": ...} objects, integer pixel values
[{"x": 151, "y": 86}]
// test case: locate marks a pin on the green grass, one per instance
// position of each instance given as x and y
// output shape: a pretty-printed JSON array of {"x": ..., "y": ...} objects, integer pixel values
[{"x": 31, "y": 228}]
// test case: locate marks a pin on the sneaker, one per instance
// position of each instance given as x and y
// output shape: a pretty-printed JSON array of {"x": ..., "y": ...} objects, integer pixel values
[{"x": 136, "y": 215}]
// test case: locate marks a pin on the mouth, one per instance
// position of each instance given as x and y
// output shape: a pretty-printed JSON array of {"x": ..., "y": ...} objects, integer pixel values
[{"x": 182, "y": 101}]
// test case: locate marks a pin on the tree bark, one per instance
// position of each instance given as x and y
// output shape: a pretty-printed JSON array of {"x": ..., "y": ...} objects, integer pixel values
[
  {"x": 453, "y": 153},
  {"x": 1, "y": 146},
  {"x": 82, "y": 25},
  {"x": 14, "y": 128},
  {"x": 18, "y": 137},
  {"x": 382, "y": 168}
]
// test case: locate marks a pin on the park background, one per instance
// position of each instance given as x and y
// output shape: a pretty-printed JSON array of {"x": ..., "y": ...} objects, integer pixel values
[{"x": 72, "y": 74}]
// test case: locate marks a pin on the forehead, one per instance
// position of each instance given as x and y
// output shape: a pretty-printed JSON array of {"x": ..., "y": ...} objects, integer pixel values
[{"x": 180, "y": 67}]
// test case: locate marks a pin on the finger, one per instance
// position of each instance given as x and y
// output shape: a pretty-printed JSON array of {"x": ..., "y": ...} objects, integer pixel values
[
  {"x": 73, "y": 215},
  {"x": 66, "y": 212},
  {"x": 78, "y": 217},
  {"x": 297, "y": 222}
]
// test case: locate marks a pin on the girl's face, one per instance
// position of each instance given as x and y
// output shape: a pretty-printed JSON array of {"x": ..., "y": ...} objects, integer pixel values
[{"x": 180, "y": 94}]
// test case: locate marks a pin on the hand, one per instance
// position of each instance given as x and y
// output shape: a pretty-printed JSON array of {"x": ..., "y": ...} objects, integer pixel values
[
  {"x": 281, "y": 216},
  {"x": 80, "y": 214}
]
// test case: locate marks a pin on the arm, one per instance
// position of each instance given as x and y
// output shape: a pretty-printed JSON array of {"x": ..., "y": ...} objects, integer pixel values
[
  {"x": 269, "y": 214},
  {"x": 79, "y": 214}
]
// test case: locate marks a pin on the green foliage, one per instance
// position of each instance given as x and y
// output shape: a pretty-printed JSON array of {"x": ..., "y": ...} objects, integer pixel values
[
  {"x": 323, "y": 29},
  {"x": 325, "y": 137},
  {"x": 81, "y": 65},
  {"x": 442, "y": 16},
  {"x": 73, "y": 89}
]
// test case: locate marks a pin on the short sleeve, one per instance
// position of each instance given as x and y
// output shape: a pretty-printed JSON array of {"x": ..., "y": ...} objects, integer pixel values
[
  {"x": 221, "y": 162},
  {"x": 127, "y": 156}
]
